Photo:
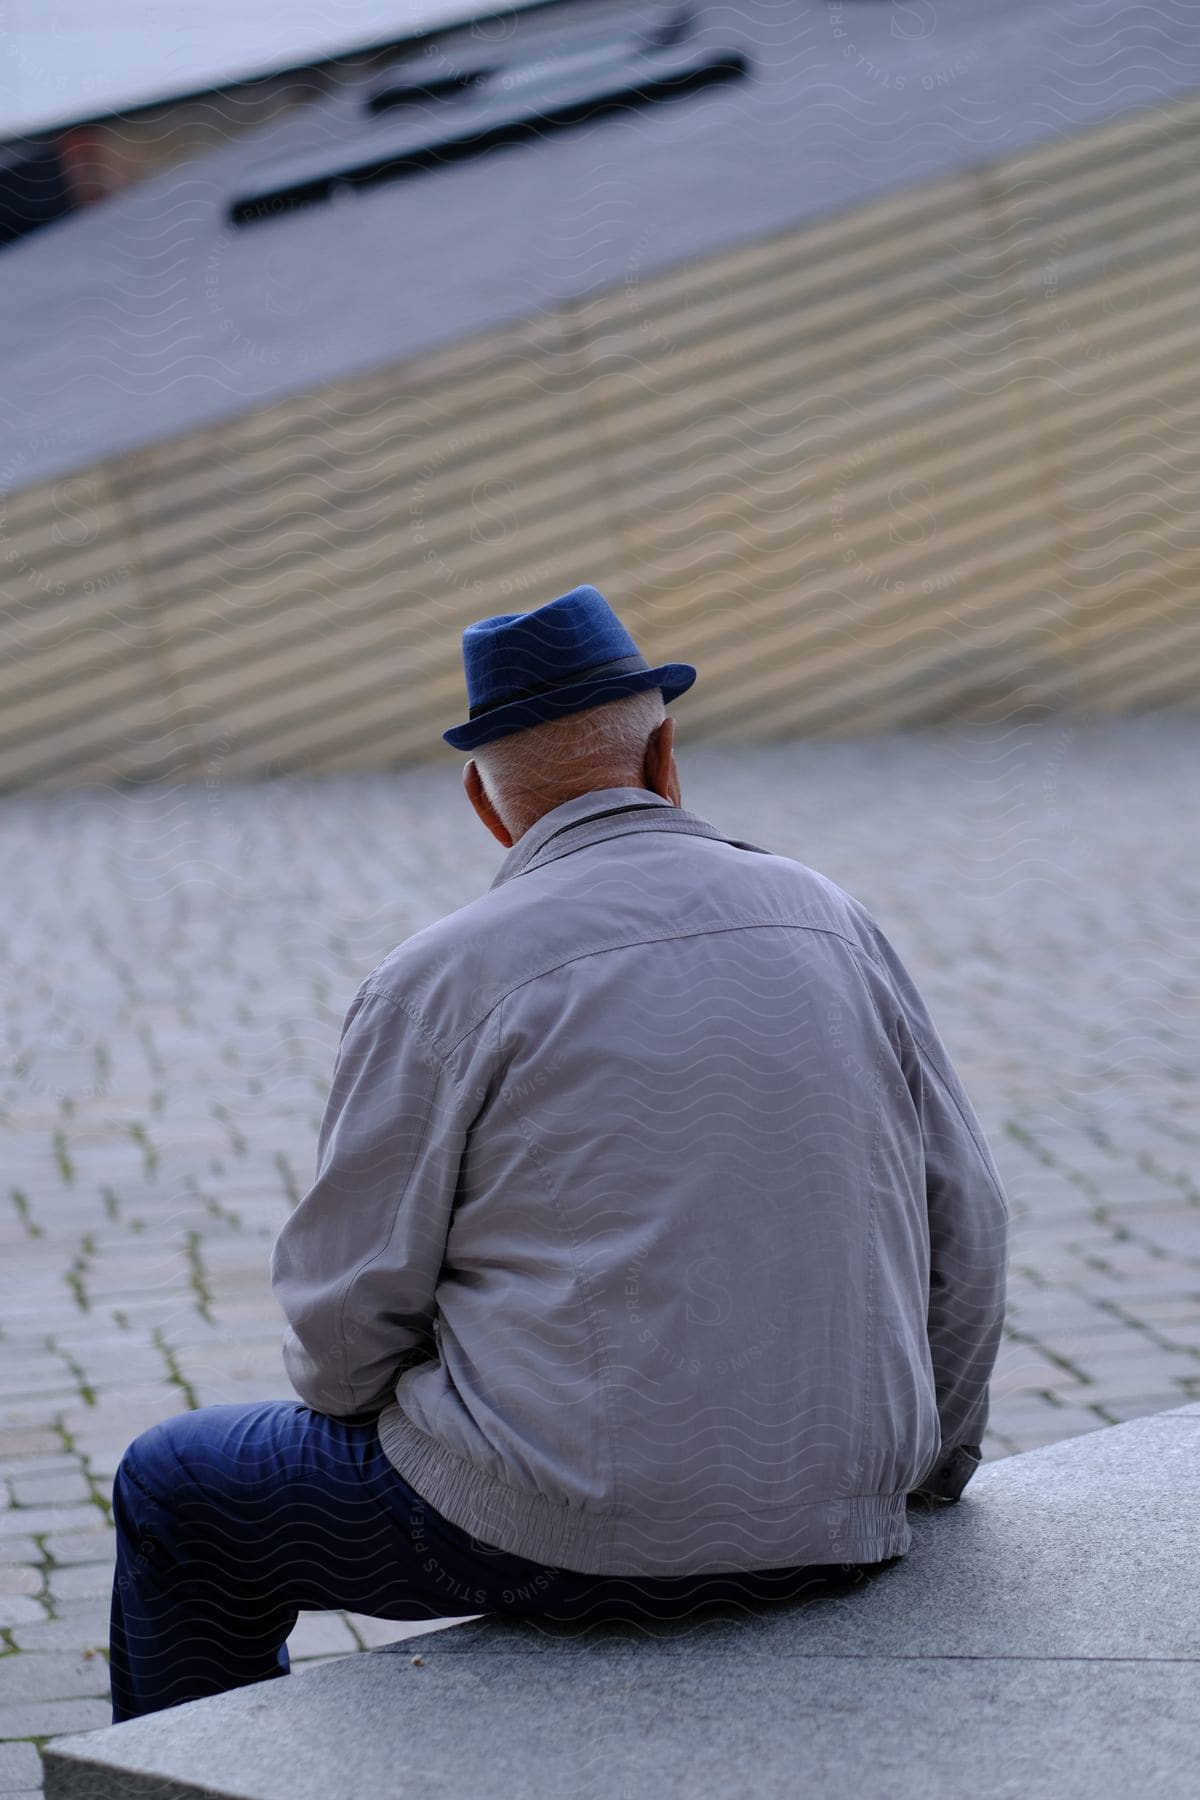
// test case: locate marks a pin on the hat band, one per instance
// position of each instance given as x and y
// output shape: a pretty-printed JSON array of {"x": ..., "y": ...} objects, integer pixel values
[{"x": 620, "y": 665}]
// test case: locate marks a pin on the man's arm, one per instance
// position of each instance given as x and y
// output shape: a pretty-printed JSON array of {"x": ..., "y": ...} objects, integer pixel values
[
  {"x": 356, "y": 1265},
  {"x": 968, "y": 1243},
  {"x": 969, "y": 1225}
]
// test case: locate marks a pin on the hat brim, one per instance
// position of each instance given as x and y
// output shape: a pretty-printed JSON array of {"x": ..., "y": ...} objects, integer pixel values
[{"x": 673, "y": 678}]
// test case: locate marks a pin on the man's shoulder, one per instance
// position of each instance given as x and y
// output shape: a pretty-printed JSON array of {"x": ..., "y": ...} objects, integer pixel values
[
  {"x": 441, "y": 937},
  {"x": 452, "y": 972},
  {"x": 795, "y": 890}
]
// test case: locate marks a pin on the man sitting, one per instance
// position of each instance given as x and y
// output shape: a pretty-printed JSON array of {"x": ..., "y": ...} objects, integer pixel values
[{"x": 654, "y": 1255}]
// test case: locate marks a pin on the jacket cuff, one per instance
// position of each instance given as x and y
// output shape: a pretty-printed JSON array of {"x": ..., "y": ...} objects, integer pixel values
[{"x": 950, "y": 1474}]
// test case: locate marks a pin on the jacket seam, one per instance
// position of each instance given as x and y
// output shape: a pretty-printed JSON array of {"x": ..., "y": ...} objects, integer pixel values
[
  {"x": 421, "y": 1024},
  {"x": 665, "y": 937},
  {"x": 754, "y": 923},
  {"x": 976, "y": 1139}
]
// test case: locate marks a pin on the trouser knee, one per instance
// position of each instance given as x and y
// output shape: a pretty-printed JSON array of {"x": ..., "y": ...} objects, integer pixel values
[{"x": 153, "y": 1536}]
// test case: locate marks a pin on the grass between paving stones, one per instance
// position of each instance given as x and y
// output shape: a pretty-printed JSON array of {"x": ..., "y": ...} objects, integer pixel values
[
  {"x": 98, "y": 1497},
  {"x": 87, "y": 1392},
  {"x": 77, "y": 1273},
  {"x": 47, "y": 1565},
  {"x": 239, "y": 1144},
  {"x": 21, "y": 1202},
  {"x": 287, "y": 1175},
  {"x": 175, "y": 1374},
  {"x": 197, "y": 1279},
  {"x": 141, "y": 1137},
  {"x": 1016, "y": 1336},
  {"x": 62, "y": 1157}
]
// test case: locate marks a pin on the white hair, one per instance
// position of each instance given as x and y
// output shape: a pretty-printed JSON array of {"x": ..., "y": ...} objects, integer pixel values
[{"x": 530, "y": 771}]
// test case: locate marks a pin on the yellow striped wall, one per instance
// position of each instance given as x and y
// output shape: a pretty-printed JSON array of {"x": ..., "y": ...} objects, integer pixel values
[{"x": 937, "y": 457}]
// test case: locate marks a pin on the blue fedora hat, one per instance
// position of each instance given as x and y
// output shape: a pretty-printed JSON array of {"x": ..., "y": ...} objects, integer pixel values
[{"x": 572, "y": 653}]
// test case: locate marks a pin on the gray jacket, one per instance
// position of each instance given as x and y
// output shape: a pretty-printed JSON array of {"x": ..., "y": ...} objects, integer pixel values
[{"x": 650, "y": 1216}]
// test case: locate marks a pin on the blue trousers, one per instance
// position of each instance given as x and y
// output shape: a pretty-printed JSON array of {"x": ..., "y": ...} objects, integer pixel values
[{"x": 231, "y": 1520}]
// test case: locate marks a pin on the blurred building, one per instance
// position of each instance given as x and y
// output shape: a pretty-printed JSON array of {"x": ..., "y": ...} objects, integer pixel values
[
  {"x": 850, "y": 349},
  {"x": 95, "y": 99}
]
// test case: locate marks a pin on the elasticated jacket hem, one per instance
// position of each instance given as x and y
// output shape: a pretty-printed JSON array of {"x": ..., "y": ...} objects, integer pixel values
[{"x": 862, "y": 1528}]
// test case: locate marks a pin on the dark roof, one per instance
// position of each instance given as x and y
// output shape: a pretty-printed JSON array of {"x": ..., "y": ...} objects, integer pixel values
[{"x": 151, "y": 315}]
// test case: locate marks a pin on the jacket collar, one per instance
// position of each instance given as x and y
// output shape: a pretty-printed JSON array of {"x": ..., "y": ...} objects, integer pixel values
[
  {"x": 558, "y": 824},
  {"x": 590, "y": 818}
]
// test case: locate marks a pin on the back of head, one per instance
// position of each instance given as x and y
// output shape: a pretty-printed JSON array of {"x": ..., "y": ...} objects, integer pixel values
[{"x": 527, "y": 773}]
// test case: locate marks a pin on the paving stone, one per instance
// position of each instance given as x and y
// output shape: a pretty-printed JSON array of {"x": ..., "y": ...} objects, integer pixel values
[
  {"x": 1129, "y": 1296},
  {"x": 20, "y": 1769},
  {"x": 32, "y": 1443},
  {"x": 1137, "y": 1381},
  {"x": 39, "y": 1490},
  {"x": 70, "y": 1633},
  {"x": 320, "y": 1634},
  {"x": 1071, "y": 1419},
  {"x": 1181, "y": 1337},
  {"x": 15, "y": 1550},
  {"x": 46, "y": 1718},
  {"x": 24, "y": 1521},
  {"x": 39, "y": 1465},
  {"x": 1026, "y": 1440},
  {"x": 1123, "y": 1410},
  {"x": 1098, "y": 1348},
  {"x": 81, "y": 1581},
  {"x": 373, "y": 1633},
  {"x": 47, "y": 1675},
  {"x": 82, "y": 1546},
  {"x": 1171, "y": 1310},
  {"x": 20, "y": 1578},
  {"x": 1018, "y": 1377},
  {"x": 47, "y": 1388},
  {"x": 20, "y": 1609}
]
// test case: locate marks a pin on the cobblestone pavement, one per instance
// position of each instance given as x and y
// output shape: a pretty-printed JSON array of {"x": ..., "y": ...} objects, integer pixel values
[{"x": 178, "y": 963}]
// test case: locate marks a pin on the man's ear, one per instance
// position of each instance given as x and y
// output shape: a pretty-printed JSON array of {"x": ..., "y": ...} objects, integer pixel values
[
  {"x": 660, "y": 771},
  {"x": 478, "y": 796}
]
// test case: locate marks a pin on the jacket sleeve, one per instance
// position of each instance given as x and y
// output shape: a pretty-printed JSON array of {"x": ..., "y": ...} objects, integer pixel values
[
  {"x": 969, "y": 1234},
  {"x": 356, "y": 1265},
  {"x": 968, "y": 1243}
]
